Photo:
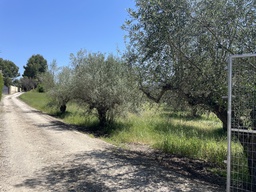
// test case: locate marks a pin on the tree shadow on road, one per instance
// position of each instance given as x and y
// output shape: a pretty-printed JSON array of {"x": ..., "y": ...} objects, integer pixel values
[
  {"x": 116, "y": 170},
  {"x": 93, "y": 129}
]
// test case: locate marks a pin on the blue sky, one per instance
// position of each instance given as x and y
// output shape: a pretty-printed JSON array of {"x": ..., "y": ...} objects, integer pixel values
[{"x": 56, "y": 28}]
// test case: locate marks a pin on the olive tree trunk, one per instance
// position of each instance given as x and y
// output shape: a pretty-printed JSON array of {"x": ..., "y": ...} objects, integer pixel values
[{"x": 102, "y": 114}]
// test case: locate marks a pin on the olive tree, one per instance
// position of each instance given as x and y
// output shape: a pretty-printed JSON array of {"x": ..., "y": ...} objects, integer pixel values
[
  {"x": 104, "y": 83},
  {"x": 47, "y": 78},
  {"x": 62, "y": 90},
  {"x": 181, "y": 47}
]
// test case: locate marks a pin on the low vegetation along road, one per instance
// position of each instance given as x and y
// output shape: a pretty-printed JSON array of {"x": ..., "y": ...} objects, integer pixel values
[{"x": 40, "y": 153}]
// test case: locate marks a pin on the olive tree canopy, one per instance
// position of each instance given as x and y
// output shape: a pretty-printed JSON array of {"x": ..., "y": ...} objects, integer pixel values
[
  {"x": 61, "y": 91},
  {"x": 103, "y": 83}
]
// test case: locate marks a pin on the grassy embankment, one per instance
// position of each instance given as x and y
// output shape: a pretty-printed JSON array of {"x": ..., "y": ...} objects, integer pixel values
[{"x": 172, "y": 132}]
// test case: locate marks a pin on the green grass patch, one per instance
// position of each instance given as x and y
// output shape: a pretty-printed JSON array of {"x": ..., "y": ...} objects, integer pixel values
[
  {"x": 38, "y": 101},
  {"x": 74, "y": 115},
  {"x": 199, "y": 138}
]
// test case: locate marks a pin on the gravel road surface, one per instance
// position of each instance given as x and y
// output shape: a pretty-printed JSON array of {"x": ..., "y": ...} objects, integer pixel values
[{"x": 40, "y": 153}]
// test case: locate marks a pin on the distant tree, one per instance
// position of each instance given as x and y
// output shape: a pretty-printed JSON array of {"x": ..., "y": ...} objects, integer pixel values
[
  {"x": 1, "y": 84},
  {"x": 27, "y": 83},
  {"x": 35, "y": 65},
  {"x": 9, "y": 71},
  {"x": 103, "y": 83},
  {"x": 16, "y": 83}
]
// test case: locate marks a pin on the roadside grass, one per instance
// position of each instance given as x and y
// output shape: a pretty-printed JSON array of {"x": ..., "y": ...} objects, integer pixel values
[
  {"x": 198, "y": 138},
  {"x": 36, "y": 100},
  {"x": 74, "y": 115},
  {"x": 171, "y": 132}
]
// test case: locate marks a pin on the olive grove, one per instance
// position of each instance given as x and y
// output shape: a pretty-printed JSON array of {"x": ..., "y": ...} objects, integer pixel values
[{"x": 180, "y": 47}]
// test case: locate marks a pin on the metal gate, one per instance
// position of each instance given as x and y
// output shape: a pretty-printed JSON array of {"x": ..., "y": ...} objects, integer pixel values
[{"x": 241, "y": 161}]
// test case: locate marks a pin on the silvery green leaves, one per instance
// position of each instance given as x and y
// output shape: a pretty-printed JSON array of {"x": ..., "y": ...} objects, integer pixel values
[{"x": 104, "y": 83}]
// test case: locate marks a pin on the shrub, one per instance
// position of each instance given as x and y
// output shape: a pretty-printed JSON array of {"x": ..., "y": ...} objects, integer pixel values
[{"x": 40, "y": 88}]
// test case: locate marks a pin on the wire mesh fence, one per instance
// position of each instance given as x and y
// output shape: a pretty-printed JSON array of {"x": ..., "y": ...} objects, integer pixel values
[{"x": 242, "y": 123}]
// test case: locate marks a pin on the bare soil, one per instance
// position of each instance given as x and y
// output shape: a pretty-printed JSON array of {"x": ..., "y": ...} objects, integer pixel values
[{"x": 40, "y": 153}]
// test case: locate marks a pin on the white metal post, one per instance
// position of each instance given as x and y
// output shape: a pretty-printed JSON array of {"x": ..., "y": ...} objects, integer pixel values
[{"x": 229, "y": 123}]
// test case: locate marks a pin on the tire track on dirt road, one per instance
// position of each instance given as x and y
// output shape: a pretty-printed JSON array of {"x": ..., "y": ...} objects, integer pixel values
[{"x": 38, "y": 153}]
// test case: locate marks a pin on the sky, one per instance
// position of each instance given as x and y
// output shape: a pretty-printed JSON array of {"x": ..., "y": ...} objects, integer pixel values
[{"x": 56, "y": 28}]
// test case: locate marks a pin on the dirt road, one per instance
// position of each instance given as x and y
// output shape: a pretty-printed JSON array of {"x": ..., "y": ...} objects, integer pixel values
[{"x": 39, "y": 153}]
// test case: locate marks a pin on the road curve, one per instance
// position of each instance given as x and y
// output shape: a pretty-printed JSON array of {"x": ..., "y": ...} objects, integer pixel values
[{"x": 39, "y": 153}]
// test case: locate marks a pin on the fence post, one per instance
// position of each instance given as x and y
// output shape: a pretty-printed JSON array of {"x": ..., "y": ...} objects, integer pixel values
[{"x": 229, "y": 122}]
